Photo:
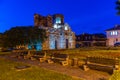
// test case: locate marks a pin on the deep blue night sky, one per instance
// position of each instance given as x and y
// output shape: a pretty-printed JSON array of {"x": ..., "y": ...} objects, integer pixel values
[{"x": 84, "y": 16}]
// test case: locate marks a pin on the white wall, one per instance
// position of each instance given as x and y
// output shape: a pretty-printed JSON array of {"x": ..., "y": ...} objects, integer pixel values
[{"x": 112, "y": 39}]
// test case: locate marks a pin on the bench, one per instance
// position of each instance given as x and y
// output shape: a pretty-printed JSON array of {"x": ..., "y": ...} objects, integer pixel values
[
  {"x": 22, "y": 54},
  {"x": 27, "y": 55},
  {"x": 19, "y": 53},
  {"x": 102, "y": 64},
  {"x": 59, "y": 58},
  {"x": 41, "y": 56}
]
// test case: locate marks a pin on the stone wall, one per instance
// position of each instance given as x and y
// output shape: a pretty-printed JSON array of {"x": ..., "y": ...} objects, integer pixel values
[{"x": 60, "y": 35}]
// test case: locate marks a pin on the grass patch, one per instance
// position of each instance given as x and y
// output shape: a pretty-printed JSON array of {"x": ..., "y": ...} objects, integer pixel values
[
  {"x": 89, "y": 51},
  {"x": 8, "y": 72},
  {"x": 85, "y": 51},
  {"x": 4, "y": 53},
  {"x": 115, "y": 76}
]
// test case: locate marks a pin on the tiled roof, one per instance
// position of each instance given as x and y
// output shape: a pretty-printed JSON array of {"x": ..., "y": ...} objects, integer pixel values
[{"x": 116, "y": 27}]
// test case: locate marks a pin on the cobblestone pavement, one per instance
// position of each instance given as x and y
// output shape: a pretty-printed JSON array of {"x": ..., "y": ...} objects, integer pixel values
[{"x": 68, "y": 70}]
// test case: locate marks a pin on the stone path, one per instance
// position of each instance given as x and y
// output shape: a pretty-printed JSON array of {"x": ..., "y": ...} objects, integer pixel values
[{"x": 68, "y": 70}]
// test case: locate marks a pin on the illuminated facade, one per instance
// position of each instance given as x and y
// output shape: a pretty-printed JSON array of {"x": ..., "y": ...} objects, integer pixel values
[
  {"x": 113, "y": 35},
  {"x": 59, "y": 33}
]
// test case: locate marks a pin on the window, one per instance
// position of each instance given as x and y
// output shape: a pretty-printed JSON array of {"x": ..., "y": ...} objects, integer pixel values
[
  {"x": 113, "y": 33},
  {"x": 78, "y": 38},
  {"x": 58, "y": 20},
  {"x": 89, "y": 37},
  {"x": 55, "y": 25},
  {"x": 66, "y": 28},
  {"x": 86, "y": 38}
]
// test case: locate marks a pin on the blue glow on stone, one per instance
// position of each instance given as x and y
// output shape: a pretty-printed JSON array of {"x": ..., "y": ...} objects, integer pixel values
[
  {"x": 61, "y": 42},
  {"x": 29, "y": 46},
  {"x": 38, "y": 46},
  {"x": 52, "y": 41},
  {"x": 52, "y": 44}
]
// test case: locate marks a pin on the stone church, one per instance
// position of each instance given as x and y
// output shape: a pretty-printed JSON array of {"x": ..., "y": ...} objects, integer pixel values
[{"x": 59, "y": 33}]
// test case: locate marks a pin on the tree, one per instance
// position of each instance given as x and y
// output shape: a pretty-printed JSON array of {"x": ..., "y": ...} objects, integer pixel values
[
  {"x": 36, "y": 37},
  {"x": 1, "y": 39},
  {"x": 118, "y": 7},
  {"x": 23, "y": 36}
]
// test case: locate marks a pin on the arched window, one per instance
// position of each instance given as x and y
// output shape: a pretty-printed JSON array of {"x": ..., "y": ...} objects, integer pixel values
[{"x": 58, "y": 20}]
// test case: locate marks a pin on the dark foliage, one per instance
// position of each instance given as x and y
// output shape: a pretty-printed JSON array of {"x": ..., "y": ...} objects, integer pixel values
[
  {"x": 1, "y": 39},
  {"x": 118, "y": 7},
  {"x": 22, "y": 36}
]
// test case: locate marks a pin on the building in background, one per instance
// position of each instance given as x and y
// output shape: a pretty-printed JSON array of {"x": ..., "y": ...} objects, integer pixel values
[
  {"x": 59, "y": 33},
  {"x": 113, "y": 35},
  {"x": 89, "y": 40}
]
